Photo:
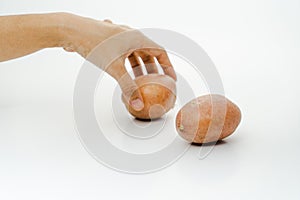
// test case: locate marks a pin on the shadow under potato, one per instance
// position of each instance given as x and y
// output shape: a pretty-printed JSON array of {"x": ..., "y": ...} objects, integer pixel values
[
  {"x": 147, "y": 120},
  {"x": 219, "y": 142}
]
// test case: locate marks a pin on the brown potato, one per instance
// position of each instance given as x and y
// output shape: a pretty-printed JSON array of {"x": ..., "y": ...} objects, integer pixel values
[
  {"x": 207, "y": 118},
  {"x": 159, "y": 95}
]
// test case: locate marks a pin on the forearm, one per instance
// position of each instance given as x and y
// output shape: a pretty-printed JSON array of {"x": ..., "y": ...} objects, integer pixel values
[{"x": 24, "y": 34}]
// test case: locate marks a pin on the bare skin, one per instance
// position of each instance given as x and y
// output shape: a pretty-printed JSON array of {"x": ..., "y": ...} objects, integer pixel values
[{"x": 21, "y": 35}]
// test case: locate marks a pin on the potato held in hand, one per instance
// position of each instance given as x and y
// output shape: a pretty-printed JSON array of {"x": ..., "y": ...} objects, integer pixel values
[
  {"x": 159, "y": 95},
  {"x": 207, "y": 118}
]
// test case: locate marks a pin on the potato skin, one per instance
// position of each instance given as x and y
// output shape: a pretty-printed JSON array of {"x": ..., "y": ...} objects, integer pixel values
[
  {"x": 159, "y": 95},
  {"x": 208, "y": 118}
]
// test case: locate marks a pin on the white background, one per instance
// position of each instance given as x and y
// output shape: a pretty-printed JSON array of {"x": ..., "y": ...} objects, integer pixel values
[{"x": 255, "y": 46}]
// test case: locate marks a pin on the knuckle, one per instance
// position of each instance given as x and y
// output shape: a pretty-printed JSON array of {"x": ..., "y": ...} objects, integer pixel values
[{"x": 147, "y": 59}]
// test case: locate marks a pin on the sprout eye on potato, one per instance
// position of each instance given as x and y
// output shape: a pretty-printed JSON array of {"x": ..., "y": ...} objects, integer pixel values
[
  {"x": 159, "y": 95},
  {"x": 208, "y": 118}
]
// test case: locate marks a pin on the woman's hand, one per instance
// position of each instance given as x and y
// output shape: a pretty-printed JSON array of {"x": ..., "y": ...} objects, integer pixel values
[{"x": 107, "y": 45}]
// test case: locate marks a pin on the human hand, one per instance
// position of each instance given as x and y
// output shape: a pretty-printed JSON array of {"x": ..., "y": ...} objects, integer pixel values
[{"x": 108, "y": 45}]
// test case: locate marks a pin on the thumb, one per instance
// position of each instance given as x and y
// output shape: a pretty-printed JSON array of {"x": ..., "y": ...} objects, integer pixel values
[{"x": 131, "y": 93}]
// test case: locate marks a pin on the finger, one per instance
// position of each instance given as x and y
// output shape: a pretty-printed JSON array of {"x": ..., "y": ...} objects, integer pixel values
[
  {"x": 165, "y": 63},
  {"x": 131, "y": 93},
  {"x": 135, "y": 64},
  {"x": 149, "y": 63},
  {"x": 108, "y": 21}
]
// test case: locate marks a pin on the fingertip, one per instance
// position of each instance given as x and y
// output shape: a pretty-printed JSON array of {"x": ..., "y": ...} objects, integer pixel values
[
  {"x": 174, "y": 76},
  {"x": 137, "y": 104},
  {"x": 131, "y": 94},
  {"x": 170, "y": 72}
]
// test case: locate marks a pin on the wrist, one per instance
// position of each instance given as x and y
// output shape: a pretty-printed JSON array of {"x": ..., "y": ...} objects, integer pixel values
[
  {"x": 49, "y": 27},
  {"x": 64, "y": 28},
  {"x": 81, "y": 34}
]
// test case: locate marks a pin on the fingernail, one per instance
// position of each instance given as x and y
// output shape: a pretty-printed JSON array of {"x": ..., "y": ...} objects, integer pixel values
[{"x": 137, "y": 104}]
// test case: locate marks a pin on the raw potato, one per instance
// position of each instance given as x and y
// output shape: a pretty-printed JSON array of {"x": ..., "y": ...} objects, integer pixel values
[
  {"x": 159, "y": 95},
  {"x": 207, "y": 118}
]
